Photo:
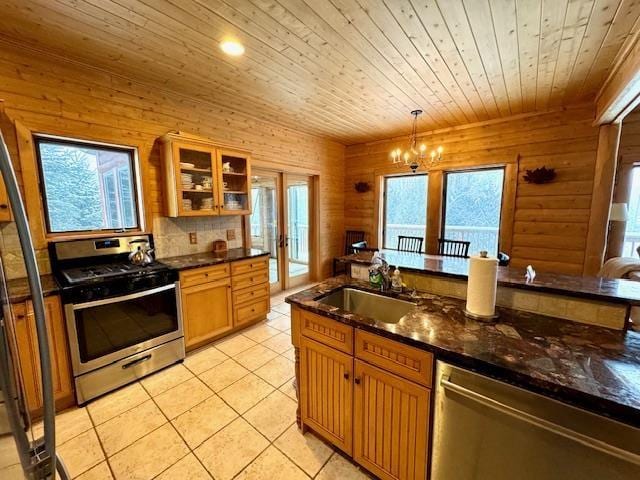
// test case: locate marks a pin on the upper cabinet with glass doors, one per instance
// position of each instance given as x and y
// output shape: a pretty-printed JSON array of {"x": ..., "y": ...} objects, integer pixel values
[{"x": 202, "y": 179}]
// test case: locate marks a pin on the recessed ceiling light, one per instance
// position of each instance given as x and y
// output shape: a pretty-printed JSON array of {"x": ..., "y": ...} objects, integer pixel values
[{"x": 232, "y": 47}]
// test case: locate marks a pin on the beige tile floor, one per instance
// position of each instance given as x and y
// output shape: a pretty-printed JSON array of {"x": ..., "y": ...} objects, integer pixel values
[{"x": 227, "y": 412}]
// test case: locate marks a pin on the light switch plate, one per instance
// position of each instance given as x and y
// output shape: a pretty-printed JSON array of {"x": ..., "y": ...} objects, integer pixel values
[
  {"x": 193, "y": 238},
  {"x": 231, "y": 234}
]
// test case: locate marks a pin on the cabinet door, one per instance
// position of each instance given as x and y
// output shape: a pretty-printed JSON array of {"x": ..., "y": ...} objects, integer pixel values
[
  {"x": 196, "y": 179},
  {"x": 391, "y": 424},
  {"x": 326, "y": 392},
  {"x": 206, "y": 311},
  {"x": 29, "y": 356},
  {"x": 234, "y": 174}
]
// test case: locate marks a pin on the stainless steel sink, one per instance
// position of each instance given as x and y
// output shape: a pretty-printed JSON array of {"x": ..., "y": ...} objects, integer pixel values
[{"x": 380, "y": 308}]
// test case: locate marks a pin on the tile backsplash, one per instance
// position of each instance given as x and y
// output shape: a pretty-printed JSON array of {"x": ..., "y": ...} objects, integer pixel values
[
  {"x": 171, "y": 236},
  {"x": 12, "y": 259}
]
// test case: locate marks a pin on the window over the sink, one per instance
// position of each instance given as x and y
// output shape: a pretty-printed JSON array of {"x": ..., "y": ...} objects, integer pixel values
[{"x": 88, "y": 187}]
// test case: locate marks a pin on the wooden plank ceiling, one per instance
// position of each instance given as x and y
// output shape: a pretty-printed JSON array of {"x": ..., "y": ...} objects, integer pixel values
[{"x": 350, "y": 70}]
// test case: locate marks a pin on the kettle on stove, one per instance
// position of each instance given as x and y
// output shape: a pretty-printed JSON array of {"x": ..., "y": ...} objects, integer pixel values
[{"x": 142, "y": 254}]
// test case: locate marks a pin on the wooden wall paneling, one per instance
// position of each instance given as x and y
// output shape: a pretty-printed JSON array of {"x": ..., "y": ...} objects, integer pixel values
[
  {"x": 31, "y": 185},
  {"x": 95, "y": 105},
  {"x": 434, "y": 210},
  {"x": 507, "y": 215},
  {"x": 547, "y": 220},
  {"x": 620, "y": 93},
  {"x": 621, "y": 194},
  {"x": 607, "y": 158}
]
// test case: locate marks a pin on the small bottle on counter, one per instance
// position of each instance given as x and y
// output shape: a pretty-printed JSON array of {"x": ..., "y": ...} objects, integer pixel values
[
  {"x": 375, "y": 275},
  {"x": 396, "y": 281}
]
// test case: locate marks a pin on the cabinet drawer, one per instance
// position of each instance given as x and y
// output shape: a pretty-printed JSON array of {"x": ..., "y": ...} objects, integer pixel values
[
  {"x": 327, "y": 331},
  {"x": 251, "y": 311},
  {"x": 198, "y": 276},
  {"x": 250, "y": 294},
  {"x": 249, "y": 266},
  {"x": 250, "y": 279},
  {"x": 408, "y": 362}
]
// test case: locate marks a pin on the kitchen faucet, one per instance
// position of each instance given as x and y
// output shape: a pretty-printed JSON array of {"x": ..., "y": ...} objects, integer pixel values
[{"x": 386, "y": 278}]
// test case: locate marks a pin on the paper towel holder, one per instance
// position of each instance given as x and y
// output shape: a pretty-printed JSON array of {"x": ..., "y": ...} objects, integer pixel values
[{"x": 475, "y": 316}]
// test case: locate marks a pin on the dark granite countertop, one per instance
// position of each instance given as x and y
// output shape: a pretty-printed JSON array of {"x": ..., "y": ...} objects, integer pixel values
[
  {"x": 592, "y": 288},
  {"x": 18, "y": 288},
  {"x": 184, "y": 262},
  {"x": 591, "y": 367}
]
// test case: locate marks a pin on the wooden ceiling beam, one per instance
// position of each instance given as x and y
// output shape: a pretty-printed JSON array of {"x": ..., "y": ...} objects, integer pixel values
[{"x": 620, "y": 93}]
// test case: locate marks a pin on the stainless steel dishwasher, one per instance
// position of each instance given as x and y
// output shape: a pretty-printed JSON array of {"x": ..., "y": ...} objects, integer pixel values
[{"x": 485, "y": 429}]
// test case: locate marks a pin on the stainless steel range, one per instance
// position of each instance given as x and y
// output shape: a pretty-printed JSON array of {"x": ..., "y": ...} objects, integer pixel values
[{"x": 123, "y": 321}]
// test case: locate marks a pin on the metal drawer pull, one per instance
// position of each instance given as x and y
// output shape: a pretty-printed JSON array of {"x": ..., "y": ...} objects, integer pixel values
[
  {"x": 136, "y": 361},
  {"x": 541, "y": 422}
]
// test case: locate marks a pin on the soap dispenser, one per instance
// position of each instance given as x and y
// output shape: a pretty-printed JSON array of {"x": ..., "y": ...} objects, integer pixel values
[{"x": 396, "y": 281}]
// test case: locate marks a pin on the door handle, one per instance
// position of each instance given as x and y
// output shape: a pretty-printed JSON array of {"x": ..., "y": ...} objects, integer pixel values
[
  {"x": 281, "y": 241},
  {"x": 286, "y": 241}
]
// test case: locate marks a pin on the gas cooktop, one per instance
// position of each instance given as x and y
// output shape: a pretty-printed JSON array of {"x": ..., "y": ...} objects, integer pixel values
[{"x": 94, "y": 273}]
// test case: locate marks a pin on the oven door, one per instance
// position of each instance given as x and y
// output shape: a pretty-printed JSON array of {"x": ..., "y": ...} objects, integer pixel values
[{"x": 105, "y": 331}]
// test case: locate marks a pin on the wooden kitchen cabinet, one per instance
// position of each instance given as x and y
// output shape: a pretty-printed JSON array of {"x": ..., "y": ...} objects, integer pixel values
[
  {"x": 29, "y": 358},
  {"x": 206, "y": 312},
  {"x": 366, "y": 394},
  {"x": 326, "y": 392},
  {"x": 234, "y": 170},
  {"x": 219, "y": 299},
  {"x": 250, "y": 281},
  {"x": 204, "y": 179},
  {"x": 391, "y": 424}
]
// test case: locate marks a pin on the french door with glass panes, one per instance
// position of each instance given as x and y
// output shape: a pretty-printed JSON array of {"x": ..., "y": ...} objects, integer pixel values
[{"x": 281, "y": 224}]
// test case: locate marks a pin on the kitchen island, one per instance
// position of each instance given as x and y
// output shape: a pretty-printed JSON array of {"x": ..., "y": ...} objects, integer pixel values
[{"x": 354, "y": 371}]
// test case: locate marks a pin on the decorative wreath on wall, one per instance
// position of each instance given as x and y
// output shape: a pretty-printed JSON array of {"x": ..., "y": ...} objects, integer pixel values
[
  {"x": 362, "y": 187},
  {"x": 540, "y": 175}
]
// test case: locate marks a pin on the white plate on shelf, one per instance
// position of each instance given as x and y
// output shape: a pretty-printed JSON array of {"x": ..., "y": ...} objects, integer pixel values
[{"x": 187, "y": 165}]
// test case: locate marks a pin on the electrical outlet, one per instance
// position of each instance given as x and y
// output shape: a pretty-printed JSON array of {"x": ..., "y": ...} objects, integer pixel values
[
  {"x": 231, "y": 234},
  {"x": 193, "y": 238}
]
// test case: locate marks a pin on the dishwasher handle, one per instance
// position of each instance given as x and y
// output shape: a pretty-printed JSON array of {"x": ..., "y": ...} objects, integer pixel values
[{"x": 447, "y": 384}]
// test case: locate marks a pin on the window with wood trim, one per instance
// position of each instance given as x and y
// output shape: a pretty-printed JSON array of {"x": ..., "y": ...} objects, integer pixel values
[
  {"x": 472, "y": 208},
  {"x": 88, "y": 187},
  {"x": 405, "y": 208}
]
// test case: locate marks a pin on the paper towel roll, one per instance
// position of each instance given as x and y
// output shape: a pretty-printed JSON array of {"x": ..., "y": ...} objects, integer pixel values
[{"x": 481, "y": 286}]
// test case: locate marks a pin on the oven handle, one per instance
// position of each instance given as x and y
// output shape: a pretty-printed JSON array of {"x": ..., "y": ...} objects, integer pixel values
[
  {"x": 123, "y": 298},
  {"x": 136, "y": 361}
]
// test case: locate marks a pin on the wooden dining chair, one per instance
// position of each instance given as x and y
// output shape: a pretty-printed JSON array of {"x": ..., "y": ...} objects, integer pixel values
[
  {"x": 453, "y": 248},
  {"x": 410, "y": 244}
]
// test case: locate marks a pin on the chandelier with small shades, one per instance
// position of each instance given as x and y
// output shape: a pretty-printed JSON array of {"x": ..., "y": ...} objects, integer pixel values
[{"x": 416, "y": 155}]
